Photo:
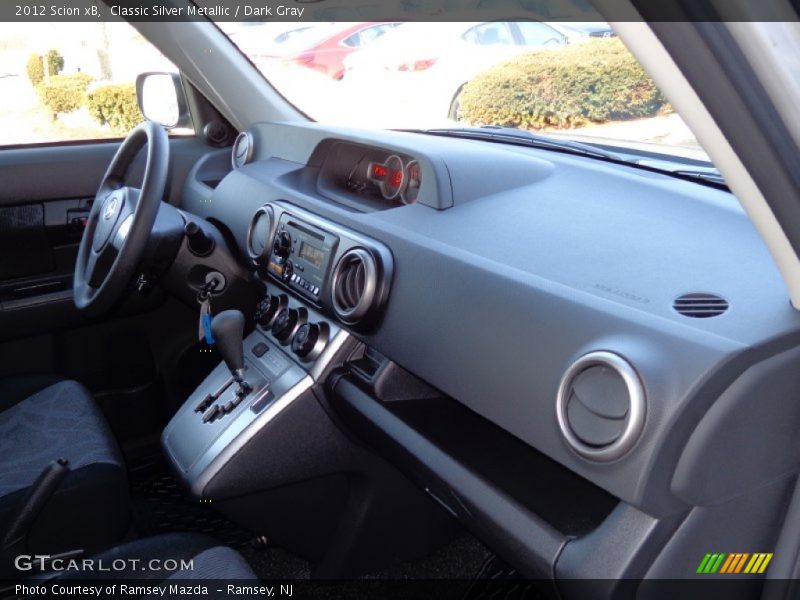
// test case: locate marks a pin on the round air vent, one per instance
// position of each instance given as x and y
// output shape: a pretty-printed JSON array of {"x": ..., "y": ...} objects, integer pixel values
[
  {"x": 242, "y": 149},
  {"x": 700, "y": 305},
  {"x": 355, "y": 280},
  {"x": 259, "y": 234},
  {"x": 601, "y": 406}
]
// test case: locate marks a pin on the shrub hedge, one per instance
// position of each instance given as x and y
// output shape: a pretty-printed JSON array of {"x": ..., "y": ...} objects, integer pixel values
[
  {"x": 64, "y": 93},
  {"x": 116, "y": 105},
  {"x": 591, "y": 82},
  {"x": 55, "y": 61},
  {"x": 35, "y": 69},
  {"x": 35, "y": 65}
]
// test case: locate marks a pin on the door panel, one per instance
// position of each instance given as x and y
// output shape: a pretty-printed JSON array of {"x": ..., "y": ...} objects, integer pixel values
[
  {"x": 46, "y": 192},
  {"x": 24, "y": 249},
  {"x": 38, "y": 243},
  {"x": 126, "y": 359},
  {"x": 53, "y": 172}
]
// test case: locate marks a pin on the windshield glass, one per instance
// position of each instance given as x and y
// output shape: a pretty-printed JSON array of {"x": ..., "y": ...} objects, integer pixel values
[{"x": 575, "y": 80}]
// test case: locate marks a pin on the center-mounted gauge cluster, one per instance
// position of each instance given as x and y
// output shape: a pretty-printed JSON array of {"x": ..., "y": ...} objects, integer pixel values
[
  {"x": 330, "y": 268},
  {"x": 395, "y": 178}
]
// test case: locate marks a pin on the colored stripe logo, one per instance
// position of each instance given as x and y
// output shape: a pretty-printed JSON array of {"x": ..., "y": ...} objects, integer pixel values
[{"x": 734, "y": 563}]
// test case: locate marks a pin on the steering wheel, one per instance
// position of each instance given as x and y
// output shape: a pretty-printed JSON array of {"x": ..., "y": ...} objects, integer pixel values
[{"x": 120, "y": 221}]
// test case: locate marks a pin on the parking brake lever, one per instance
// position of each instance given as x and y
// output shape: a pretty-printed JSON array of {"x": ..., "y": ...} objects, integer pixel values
[{"x": 39, "y": 494}]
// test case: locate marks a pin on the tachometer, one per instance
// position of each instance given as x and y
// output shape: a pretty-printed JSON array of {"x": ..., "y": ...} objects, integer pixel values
[
  {"x": 412, "y": 183},
  {"x": 389, "y": 175}
]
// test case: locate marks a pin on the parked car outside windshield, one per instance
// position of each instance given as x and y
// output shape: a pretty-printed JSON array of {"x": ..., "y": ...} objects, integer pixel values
[{"x": 574, "y": 80}]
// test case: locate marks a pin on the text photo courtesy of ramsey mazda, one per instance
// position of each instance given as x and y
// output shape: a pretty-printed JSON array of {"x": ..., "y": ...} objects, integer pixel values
[{"x": 452, "y": 299}]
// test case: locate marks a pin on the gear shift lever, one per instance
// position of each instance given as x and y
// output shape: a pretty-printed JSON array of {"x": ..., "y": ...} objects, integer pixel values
[{"x": 228, "y": 331}]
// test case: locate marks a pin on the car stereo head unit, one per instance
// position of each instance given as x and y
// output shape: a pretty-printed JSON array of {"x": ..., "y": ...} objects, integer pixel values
[{"x": 301, "y": 256}]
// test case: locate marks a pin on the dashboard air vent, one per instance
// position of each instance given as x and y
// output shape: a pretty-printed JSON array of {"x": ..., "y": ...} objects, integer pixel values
[
  {"x": 601, "y": 406},
  {"x": 259, "y": 234},
  {"x": 700, "y": 305},
  {"x": 354, "y": 285},
  {"x": 242, "y": 151}
]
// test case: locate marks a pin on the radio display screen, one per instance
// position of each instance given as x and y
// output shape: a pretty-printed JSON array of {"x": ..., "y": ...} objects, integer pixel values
[{"x": 311, "y": 254}]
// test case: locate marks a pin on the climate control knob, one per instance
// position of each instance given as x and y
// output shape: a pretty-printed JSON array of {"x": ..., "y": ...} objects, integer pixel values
[
  {"x": 282, "y": 246},
  {"x": 287, "y": 322},
  {"x": 310, "y": 340},
  {"x": 268, "y": 308},
  {"x": 305, "y": 339}
]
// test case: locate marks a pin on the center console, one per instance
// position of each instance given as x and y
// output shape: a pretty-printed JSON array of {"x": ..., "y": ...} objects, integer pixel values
[{"x": 321, "y": 282}]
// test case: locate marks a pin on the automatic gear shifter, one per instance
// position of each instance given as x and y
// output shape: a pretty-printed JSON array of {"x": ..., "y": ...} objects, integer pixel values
[{"x": 228, "y": 331}]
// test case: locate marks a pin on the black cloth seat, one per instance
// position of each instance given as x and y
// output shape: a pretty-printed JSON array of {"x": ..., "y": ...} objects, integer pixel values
[{"x": 42, "y": 420}]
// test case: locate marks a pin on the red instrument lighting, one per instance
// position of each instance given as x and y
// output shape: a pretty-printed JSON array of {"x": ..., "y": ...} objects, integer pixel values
[
  {"x": 379, "y": 171},
  {"x": 396, "y": 179}
]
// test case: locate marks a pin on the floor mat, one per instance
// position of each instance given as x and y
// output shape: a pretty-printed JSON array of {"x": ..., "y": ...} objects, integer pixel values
[
  {"x": 160, "y": 505},
  {"x": 496, "y": 580},
  {"x": 461, "y": 559}
]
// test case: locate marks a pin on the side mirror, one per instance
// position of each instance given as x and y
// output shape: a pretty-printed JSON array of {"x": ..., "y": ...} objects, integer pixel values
[{"x": 162, "y": 100}]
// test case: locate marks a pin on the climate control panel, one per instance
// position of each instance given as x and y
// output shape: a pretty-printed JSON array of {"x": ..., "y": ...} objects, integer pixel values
[{"x": 293, "y": 326}]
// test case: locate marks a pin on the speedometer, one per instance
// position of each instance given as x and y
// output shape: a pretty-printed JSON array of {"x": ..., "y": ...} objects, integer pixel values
[{"x": 389, "y": 175}]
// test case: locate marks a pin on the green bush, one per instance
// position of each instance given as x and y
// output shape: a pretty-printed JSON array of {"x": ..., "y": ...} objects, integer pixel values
[
  {"x": 55, "y": 61},
  {"x": 35, "y": 66},
  {"x": 64, "y": 93},
  {"x": 592, "y": 82},
  {"x": 116, "y": 105}
]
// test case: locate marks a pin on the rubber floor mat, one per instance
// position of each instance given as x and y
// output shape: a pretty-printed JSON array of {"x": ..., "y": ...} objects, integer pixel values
[{"x": 160, "y": 505}]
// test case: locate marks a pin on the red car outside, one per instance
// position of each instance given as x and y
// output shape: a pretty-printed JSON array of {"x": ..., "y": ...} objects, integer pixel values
[{"x": 327, "y": 55}]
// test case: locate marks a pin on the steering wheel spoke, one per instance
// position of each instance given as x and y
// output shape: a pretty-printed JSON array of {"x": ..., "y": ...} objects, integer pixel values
[
  {"x": 98, "y": 265},
  {"x": 121, "y": 233}
]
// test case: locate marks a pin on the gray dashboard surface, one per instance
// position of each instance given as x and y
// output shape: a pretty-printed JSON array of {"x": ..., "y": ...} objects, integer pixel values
[{"x": 541, "y": 258}]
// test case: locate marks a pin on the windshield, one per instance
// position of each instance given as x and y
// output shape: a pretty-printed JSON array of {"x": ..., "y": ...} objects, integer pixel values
[{"x": 573, "y": 80}]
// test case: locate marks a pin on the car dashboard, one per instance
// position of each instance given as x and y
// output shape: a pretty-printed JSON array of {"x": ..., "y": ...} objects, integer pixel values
[{"x": 555, "y": 348}]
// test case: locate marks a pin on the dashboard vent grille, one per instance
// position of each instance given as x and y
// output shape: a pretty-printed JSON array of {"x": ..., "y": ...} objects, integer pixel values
[
  {"x": 242, "y": 151},
  {"x": 351, "y": 284},
  {"x": 601, "y": 406},
  {"x": 259, "y": 234},
  {"x": 700, "y": 305},
  {"x": 354, "y": 284}
]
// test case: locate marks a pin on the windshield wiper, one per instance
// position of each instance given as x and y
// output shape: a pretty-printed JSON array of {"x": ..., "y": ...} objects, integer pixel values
[{"x": 524, "y": 138}]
